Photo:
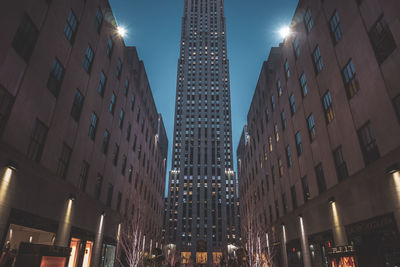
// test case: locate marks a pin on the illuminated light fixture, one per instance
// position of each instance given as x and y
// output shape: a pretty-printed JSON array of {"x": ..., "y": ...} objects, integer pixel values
[
  {"x": 331, "y": 200},
  {"x": 12, "y": 165},
  {"x": 121, "y": 30},
  {"x": 393, "y": 168},
  {"x": 72, "y": 197},
  {"x": 103, "y": 214},
  {"x": 284, "y": 32}
]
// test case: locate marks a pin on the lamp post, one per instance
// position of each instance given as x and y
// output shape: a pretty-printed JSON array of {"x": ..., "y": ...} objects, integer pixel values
[{"x": 7, "y": 193}]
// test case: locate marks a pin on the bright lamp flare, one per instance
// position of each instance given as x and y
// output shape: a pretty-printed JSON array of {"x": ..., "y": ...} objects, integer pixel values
[
  {"x": 284, "y": 32},
  {"x": 121, "y": 31}
]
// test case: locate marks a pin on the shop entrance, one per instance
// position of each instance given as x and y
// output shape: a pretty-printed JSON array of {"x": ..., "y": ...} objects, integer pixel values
[{"x": 81, "y": 253}]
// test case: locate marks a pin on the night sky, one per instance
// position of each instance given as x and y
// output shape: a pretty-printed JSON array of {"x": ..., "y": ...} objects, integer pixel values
[{"x": 252, "y": 28}]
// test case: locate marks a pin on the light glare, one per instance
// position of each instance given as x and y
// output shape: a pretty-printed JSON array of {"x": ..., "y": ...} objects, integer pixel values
[
  {"x": 121, "y": 31},
  {"x": 284, "y": 32}
]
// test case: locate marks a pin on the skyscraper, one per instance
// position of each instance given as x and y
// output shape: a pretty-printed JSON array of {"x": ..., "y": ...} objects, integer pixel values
[{"x": 202, "y": 211}]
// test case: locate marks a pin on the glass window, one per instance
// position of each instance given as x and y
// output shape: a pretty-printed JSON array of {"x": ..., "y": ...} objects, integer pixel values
[
  {"x": 292, "y": 104},
  {"x": 317, "y": 59},
  {"x": 288, "y": 157},
  {"x": 132, "y": 102},
  {"x": 306, "y": 190},
  {"x": 55, "y": 77},
  {"x": 102, "y": 83},
  {"x": 128, "y": 132},
  {"x": 336, "y": 28},
  {"x": 308, "y": 21},
  {"x": 124, "y": 159},
  {"x": 116, "y": 153},
  {"x": 266, "y": 114},
  {"x": 118, "y": 69},
  {"x": 98, "y": 20},
  {"x": 296, "y": 47},
  {"x": 276, "y": 131},
  {"x": 283, "y": 119},
  {"x": 328, "y": 109},
  {"x": 106, "y": 141},
  {"x": 272, "y": 102},
  {"x": 311, "y": 127},
  {"x": 71, "y": 26},
  {"x": 350, "y": 79},
  {"x": 280, "y": 166},
  {"x": 299, "y": 145},
  {"x": 121, "y": 119},
  {"x": 77, "y": 105},
  {"x": 109, "y": 47},
  {"x": 340, "y": 164},
  {"x": 93, "y": 126},
  {"x": 83, "y": 177},
  {"x": 126, "y": 87},
  {"x": 382, "y": 40},
  {"x": 319, "y": 171},
  {"x": 25, "y": 38},
  {"x": 37, "y": 141},
  {"x": 63, "y": 161},
  {"x": 303, "y": 84},
  {"x": 88, "y": 60},
  {"x": 368, "y": 144},
  {"x": 279, "y": 88},
  {"x": 287, "y": 70},
  {"x": 113, "y": 101}
]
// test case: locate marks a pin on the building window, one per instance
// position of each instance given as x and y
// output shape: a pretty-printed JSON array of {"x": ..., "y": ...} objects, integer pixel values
[
  {"x": 382, "y": 40},
  {"x": 296, "y": 48},
  {"x": 299, "y": 146},
  {"x": 396, "y": 103},
  {"x": 319, "y": 171},
  {"x": 55, "y": 77},
  {"x": 102, "y": 84},
  {"x": 93, "y": 126},
  {"x": 328, "y": 109},
  {"x": 292, "y": 104},
  {"x": 368, "y": 144},
  {"x": 123, "y": 169},
  {"x": 288, "y": 157},
  {"x": 116, "y": 153},
  {"x": 121, "y": 119},
  {"x": 70, "y": 27},
  {"x": 137, "y": 114},
  {"x": 134, "y": 143},
  {"x": 110, "y": 192},
  {"x": 126, "y": 87},
  {"x": 63, "y": 161},
  {"x": 340, "y": 164},
  {"x": 113, "y": 100},
  {"x": 98, "y": 186},
  {"x": 303, "y": 84},
  {"x": 130, "y": 173},
  {"x": 280, "y": 167},
  {"x": 283, "y": 119},
  {"x": 128, "y": 132},
  {"x": 37, "y": 141},
  {"x": 272, "y": 102},
  {"x": 336, "y": 28},
  {"x": 77, "y": 105},
  {"x": 311, "y": 127},
  {"x": 317, "y": 60},
  {"x": 287, "y": 70},
  {"x": 83, "y": 177},
  {"x": 106, "y": 141},
  {"x": 88, "y": 60},
  {"x": 294, "y": 196},
  {"x": 132, "y": 102},
  {"x": 279, "y": 88},
  {"x": 118, "y": 69},
  {"x": 308, "y": 21},
  {"x": 350, "y": 79},
  {"x": 98, "y": 20},
  {"x": 109, "y": 47},
  {"x": 25, "y": 38},
  {"x": 276, "y": 131},
  {"x": 306, "y": 189},
  {"x": 6, "y": 103}
]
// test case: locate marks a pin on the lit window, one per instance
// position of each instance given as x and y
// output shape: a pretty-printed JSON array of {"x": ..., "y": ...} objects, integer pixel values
[
  {"x": 350, "y": 79},
  {"x": 328, "y": 109}
]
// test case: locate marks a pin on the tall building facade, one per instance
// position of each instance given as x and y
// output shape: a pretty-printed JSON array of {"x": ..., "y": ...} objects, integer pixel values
[
  {"x": 319, "y": 165},
  {"x": 202, "y": 213},
  {"x": 82, "y": 146}
]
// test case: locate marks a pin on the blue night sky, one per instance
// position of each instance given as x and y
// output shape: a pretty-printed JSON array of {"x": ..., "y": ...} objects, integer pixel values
[{"x": 252, "y": 28}]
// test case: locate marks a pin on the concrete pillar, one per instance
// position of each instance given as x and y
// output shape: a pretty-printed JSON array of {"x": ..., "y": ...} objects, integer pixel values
[
  {"x": 65, "y": 224},
  {"x": 283, "y": 247},
  {"x": 305, "y": 248},
  {"x": 338, "y": 229},
  {"x": 7, "y": 193},
  {"x": 98, "y": 243},
  {"x": 394, "y": 189}
]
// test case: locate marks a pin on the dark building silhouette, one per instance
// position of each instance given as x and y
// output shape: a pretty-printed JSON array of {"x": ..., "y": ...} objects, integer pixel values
[{"x": 319, "y": 160}]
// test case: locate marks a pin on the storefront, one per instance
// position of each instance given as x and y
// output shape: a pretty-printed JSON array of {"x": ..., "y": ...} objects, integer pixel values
[
  {"x": 319, "y": 244},
  {"x": 295, "y": 257}
]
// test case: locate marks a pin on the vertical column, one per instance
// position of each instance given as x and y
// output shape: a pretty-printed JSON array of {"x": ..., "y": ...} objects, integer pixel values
[
  {"x": 65, "y": 224},
  {"x": 7, "y": 191},
  {"x": 339, "y": 232},
  {"x": 393, "y": 184},
  {"x": 283, "y": 247},
  {"x": 98, "y": 243},
  {"x": 304, "y": 244}
]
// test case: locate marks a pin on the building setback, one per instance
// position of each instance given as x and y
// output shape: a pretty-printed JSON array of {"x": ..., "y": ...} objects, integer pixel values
[
  {"x": 202, "y": 208},
  {"x": 318, "y": 163},
  {"x": 82, "y": 146}
]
